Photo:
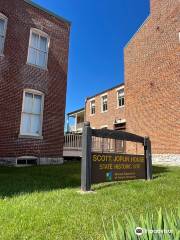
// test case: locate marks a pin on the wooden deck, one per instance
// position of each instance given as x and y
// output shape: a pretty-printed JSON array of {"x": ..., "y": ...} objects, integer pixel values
[
  {"x": 72, "y": 152},
  {"x": 72, "y": 145}
]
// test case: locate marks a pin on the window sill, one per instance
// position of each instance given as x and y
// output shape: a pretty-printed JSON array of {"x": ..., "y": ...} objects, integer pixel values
[
  {"x": 30, "y": 137},
  {"x": 36, "y": 66},
  {"x": 104, "y": 111},
  {"x": 120, "y": 107}
]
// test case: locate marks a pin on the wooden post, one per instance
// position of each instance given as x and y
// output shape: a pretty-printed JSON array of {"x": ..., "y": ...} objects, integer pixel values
[
  {"x": 86, "y": 157},
  {"x": 148, "y": 158}
]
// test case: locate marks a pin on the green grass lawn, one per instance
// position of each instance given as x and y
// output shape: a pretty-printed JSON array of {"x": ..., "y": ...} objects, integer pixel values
[{"x": 42, "y": 203}]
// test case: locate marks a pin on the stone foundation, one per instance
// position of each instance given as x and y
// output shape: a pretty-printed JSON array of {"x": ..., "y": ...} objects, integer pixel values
[
  {"x": 51, "y": 161},
  {"x": 40, "y": 161},
  {"x": 7, "y": 161},
  {"x": 166, "y": 159}
]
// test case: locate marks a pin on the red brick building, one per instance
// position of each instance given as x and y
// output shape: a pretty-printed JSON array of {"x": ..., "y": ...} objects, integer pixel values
[
  {"x": 106, "y": 109},
  {"x": 152, "y": 78},
  {"x": 33, "y": 73},
  {"x": 152, "y": 86},
  {"x": 103, "y": 110}
]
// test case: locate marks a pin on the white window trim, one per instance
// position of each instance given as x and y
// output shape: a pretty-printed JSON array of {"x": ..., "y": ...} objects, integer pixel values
[
  {"x": 123, "y": 95},
  {"x": 92, "y": 100},
  {"x": 120, "y": 121},
  {"x": 29, "y": 135},
  {"x": 103, "y": 95},
  {"x": 2, "y": 16},
  {"x": 43, "y": 34},
  {"x": 104, "y": 126},
  {"x": 119, "y": 88}
]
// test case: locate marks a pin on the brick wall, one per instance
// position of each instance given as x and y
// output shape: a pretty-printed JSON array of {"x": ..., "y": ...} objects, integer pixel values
[
  {"x": 16, "y": 75},
  {"x": 105, "y": 118},
  {"x": 152, "y": 78}
]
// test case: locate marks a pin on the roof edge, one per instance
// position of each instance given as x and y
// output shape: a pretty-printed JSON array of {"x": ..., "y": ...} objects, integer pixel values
[
  {"x": 47, "y": 11},
  {"x": 76, "y": 111},
  {"x": 109, "y": 89},
  {"x": 134, "y": 35}
]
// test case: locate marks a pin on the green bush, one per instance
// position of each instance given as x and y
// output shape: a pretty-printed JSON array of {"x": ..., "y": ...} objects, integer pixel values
[{"x": 162, "y": 227}]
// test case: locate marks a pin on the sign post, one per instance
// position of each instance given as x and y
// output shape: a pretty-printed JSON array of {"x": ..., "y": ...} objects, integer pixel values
[
  {"x": 86, "y": 157},
  {"x": 148, "y": 157},
  {"x": 99, "y": 167}
]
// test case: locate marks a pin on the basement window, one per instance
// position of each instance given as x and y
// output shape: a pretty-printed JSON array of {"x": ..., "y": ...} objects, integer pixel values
[{"x": 26, "y": 161}]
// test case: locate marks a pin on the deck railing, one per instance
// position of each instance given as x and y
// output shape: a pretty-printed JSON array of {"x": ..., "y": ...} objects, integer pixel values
[
  {"x": 107, "y": 145},
  {"x": 74, "y": 142}
]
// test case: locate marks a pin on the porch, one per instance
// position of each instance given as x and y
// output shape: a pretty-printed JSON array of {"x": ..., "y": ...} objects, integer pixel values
[{"x": 75, "y": 121}]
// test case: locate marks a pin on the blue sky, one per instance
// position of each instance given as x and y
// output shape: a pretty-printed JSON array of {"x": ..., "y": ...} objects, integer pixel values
[{"x": 100, "y": 30}]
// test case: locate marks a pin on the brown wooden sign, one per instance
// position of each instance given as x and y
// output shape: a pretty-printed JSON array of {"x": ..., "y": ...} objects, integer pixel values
[
  {"x": 102, "y": 167},
  {"x": 107, "y": 167}
]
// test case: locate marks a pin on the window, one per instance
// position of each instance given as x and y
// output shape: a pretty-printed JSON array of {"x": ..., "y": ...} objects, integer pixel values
[
  {"x": 104, "y": 106},
  {"x": 32, "y": 113},
  {"x": 92, "y": 107},
  {"x": 38, "y": 48},
  {"x": 120, "y": 96},
  {"x": 3, "y": 26},
  {"x": 120, "y": 126},
  {"x": 27, "y": 160}
]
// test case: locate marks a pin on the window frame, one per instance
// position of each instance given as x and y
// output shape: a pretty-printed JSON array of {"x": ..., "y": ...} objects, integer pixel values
[
  {"x": 102, "y": 96},
  {"x": 104, "y": 126},
  {"x": 122, "y": 96},
  {"x": 43, "y": 34},
  {"x": 26, "y": 158},
  {"x": 32, "y": 135},
  {"x": 3, "y": 17},
  {"x": 91, "y": 101}
]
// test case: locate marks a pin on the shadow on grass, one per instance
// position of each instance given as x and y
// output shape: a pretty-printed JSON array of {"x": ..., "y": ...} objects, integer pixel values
[
  {"x": 160, "y": 169},
  {"x": 107, "y": 185},
  {"x": 16, "y": 181}
]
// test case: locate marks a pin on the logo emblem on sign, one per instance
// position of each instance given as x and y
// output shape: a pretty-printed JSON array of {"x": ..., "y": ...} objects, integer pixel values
[{"x": 109, "y": 176}]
